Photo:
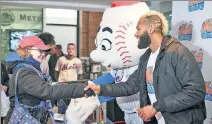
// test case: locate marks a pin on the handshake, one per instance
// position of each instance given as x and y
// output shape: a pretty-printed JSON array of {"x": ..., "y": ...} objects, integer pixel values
[{"x": 91, "y": 89}]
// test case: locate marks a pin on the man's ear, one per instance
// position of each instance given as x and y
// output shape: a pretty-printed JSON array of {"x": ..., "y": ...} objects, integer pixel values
[{"x": 151, "y": 29}]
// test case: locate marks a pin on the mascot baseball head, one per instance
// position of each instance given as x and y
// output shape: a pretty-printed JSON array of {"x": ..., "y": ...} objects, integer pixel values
[{"x": 116, "y": 44}]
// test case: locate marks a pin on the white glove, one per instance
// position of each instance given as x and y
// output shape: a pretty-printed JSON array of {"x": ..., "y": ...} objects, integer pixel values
[
  {"x": 71, "y": 113},
  {"x": 83, "y": 107}
]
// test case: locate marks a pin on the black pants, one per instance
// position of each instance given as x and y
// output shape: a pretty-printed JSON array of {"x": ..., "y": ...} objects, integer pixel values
[
  {"x": 2, "y": 118},
  {"x": 63, "y": 105}
]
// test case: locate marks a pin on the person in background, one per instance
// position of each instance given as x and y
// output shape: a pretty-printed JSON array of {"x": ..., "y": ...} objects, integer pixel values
[
  {"x": 32, "y": 86},
  {"x": 53, "y": 61},
  {"x": 48, "y": 40},
  {"x": 69, "y": 67},
  {"x": 57, "y": 53},
  {"x": 4, "y": 86},
  {"x": 4, "y": 79}
]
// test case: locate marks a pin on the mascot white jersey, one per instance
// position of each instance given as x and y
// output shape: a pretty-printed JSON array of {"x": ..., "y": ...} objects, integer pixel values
[{"x": 116, "y": 46}]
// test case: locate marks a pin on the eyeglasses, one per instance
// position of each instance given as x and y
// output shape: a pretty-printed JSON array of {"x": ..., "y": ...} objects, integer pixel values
[{"x": 39, "y": 50}]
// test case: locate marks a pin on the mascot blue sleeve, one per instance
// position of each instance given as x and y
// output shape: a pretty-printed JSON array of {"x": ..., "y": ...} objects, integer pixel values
[{"x": 105, "y": 79}]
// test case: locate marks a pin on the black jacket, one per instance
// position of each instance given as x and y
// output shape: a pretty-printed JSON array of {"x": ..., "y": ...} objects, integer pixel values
[
  {"x": 178, "y": 83},
  {"x": 52, "y": 63},
  {"x": 32, "y": 89}
]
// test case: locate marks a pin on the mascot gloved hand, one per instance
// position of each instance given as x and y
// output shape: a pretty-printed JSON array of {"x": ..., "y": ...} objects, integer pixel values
[
  {"x": 71, "y": 116},
  {"x": 79, "y": 109}
]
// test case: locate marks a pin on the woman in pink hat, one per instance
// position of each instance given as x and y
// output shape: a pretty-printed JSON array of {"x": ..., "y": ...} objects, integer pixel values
[{"x": 32, "y": 86}]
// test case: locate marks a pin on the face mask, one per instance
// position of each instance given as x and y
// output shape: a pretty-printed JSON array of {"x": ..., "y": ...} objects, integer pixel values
[{"x": 144, "y": 41}]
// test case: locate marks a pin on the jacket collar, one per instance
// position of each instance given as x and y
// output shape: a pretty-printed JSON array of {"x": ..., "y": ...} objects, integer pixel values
[{"x": 21, "y": 63}]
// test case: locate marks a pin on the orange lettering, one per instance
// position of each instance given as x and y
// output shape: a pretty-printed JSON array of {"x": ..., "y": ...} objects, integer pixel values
[
  {"x": 206, "y": 26},
  {"x": 189, "y": 29},
  {"x": 194, "y": 2},
  {"x": 182, "y": 29}
]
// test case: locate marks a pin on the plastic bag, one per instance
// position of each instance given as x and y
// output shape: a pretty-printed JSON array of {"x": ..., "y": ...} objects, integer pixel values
[{"x": 5, "y": 104}]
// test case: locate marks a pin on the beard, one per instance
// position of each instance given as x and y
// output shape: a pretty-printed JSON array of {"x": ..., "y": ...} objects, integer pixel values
[{"x": 144, "y": 41}]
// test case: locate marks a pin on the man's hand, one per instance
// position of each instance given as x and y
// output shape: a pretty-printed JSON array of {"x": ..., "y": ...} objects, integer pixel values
[
  {"x": 4, "y": 88},
  {"x": 94, "y": 87},
  {"x": 147, "y": 112}
]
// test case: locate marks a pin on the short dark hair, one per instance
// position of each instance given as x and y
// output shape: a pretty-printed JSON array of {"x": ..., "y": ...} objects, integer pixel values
[
  {"x": 47, "y": 38},
  {"x": 59, "y": 47},
  {"x": 71, "y": 44}
]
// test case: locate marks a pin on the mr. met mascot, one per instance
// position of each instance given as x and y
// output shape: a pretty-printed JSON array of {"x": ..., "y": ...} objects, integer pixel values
[{"x": 117, "y": 47}]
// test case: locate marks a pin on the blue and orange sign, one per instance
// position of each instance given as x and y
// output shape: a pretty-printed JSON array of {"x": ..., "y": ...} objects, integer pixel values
[
  {"x": 198, "y": 54},
  {"x": 185, "y": 31},
  {"x": 195, "y": 5},
  {"x": 208, "y": 86},
  {"x": 206, "y": 31}
]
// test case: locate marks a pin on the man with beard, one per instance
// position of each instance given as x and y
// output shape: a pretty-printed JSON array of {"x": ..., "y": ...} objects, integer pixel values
[{"x": 171, "y": 85}]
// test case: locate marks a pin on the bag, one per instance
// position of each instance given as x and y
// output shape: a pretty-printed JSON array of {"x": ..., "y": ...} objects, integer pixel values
[
  {"x": 22, "y": 114},
  {"x": 61, "y": 107},
  {"x": 5, "y": 104}
]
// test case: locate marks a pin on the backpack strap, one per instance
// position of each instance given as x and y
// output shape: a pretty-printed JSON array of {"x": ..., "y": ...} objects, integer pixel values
[
  {"x": 16, "y": 83},
  {"x": 46, "y": 105}
]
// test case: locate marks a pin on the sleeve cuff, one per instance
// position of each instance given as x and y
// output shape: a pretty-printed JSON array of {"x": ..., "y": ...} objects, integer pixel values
[
  {"x": 156, "y": 106},
  {"x": 161, "y": 107},
  {"x": 101, "y": 90}
]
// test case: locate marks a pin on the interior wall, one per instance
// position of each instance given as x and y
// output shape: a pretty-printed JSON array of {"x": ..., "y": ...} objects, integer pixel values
[
  {"x": 62, "y": 23},
  {"x": 90, "y": 23},
  {"x": 63, "y": 35}
]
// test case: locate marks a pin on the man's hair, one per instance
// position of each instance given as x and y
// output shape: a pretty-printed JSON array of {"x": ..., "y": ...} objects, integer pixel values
[
  {"x": 71, "y": 44},
  {"x": 158, "y": 20},
  {"x": 47, "y": 38},
  {"x": 59, "y": 47}
]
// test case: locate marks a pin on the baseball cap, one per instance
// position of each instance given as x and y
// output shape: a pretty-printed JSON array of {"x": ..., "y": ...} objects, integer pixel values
[{"x": 28, "y": 41}]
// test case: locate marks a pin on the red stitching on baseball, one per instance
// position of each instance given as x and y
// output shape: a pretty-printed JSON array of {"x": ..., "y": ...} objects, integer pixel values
[
  {"x": 123, "y": 27},
  {"x": 124, "y": 52},
  {"x": 120, "y": 37},
  {"x": 121, "y": 42},
  {"x": 121, "y": 48},
  {"x": 127, "y": 61},
  {"x": 126, "y": 57},
  {"x": 127, "y": 24},
  {"x": 121, "y": 32}
]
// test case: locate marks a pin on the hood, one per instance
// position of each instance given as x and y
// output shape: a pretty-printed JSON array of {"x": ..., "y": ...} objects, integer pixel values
[{"x": 14, "y": 61}]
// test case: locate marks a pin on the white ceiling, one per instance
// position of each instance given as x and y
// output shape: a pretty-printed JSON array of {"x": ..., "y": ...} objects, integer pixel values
[{"x": 85, "y": 5}]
